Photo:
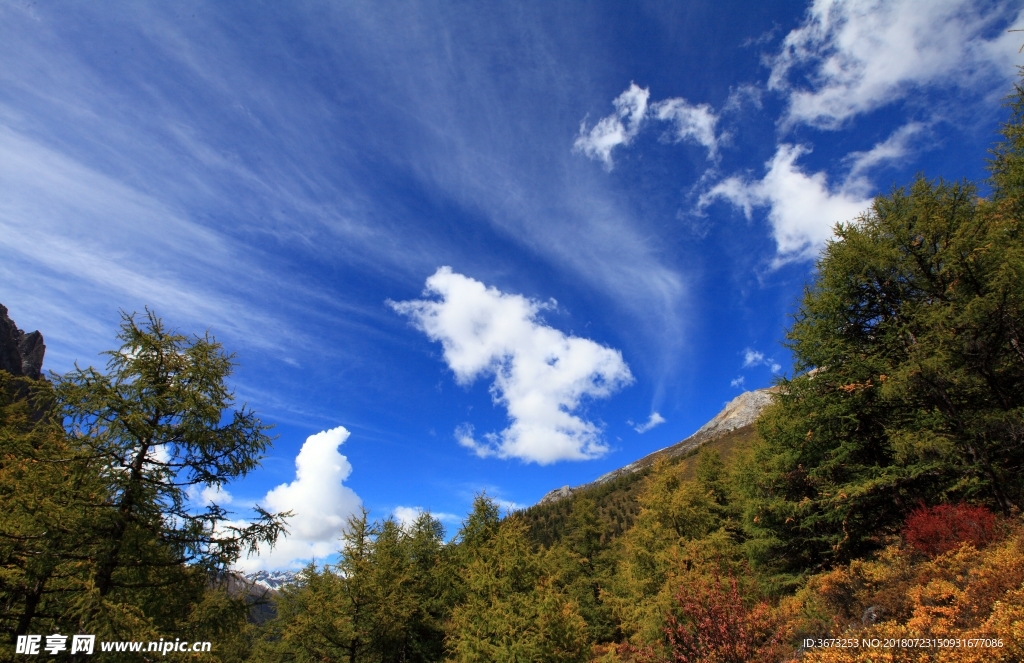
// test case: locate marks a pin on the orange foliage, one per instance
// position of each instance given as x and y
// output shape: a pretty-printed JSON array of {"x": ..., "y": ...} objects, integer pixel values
[{"x": 963, "y": 606}]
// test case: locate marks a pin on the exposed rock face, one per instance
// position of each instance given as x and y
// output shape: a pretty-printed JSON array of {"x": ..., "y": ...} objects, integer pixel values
[
  {"x": 739, "y": 412},
  {"x": 20, "y": 353},
  {"x": 556, "y": 494}
]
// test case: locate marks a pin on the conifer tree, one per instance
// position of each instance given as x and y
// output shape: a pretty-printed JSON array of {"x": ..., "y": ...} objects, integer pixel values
[
  {"x": 154, "y": 421},
  {"x": 910, "y": 370},
  {"x": 512, "y": 611},
  {"x": 47, "y": 525},
  {"x": 584, "y": 569}
]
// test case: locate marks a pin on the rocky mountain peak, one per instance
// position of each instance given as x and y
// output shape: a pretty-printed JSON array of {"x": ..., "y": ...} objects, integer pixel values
[{"x": 20, "y": 353}]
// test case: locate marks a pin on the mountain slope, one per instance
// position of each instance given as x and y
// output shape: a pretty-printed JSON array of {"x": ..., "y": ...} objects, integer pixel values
[{"x": 615, "y": 493}]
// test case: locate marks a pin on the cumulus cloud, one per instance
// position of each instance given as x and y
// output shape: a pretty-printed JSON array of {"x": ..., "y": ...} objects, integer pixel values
[
  {"x": 541, "y": 375},
  {"x": 654, "y": 420},
  {"x": 853, "y": 56},
  {"x": 206, "y": 495},
  {"x": 407, "y": 515},
  {"x": 319, "y": 501},
  {"x": 619, "y": 128},
  {"x": 737, "y": 383},
  {"x": 802, "y": 208}
]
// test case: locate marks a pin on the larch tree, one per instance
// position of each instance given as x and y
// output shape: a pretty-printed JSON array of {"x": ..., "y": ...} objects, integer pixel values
[
  {"x": 159, "y": 425},
  {"x": 909, "y": 367}
]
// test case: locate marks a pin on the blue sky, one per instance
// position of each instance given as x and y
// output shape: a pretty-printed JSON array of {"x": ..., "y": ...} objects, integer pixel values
[{"x": 466, "y": 246}]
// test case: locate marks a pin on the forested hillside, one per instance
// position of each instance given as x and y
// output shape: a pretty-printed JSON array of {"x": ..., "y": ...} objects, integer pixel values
[
  {"x": 616, "y": 500},
  {"x": 873, "y": 513}
]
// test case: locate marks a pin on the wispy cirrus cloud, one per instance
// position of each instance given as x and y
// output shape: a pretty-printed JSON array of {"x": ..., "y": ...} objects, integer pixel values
[{"x": 541, "y": 375}]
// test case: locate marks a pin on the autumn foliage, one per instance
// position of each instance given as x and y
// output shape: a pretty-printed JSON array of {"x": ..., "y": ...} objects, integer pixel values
[
  {"x": 970, "y": 599},
  {"x": 713, "y": 624},
  {"x": 938, "y": 529}
]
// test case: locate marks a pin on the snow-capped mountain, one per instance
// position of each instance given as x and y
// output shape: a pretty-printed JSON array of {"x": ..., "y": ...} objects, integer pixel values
[{"x": 271, "y": 579}]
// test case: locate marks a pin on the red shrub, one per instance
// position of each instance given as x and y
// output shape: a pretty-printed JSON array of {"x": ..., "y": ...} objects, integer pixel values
[
  {"x": 937, "y": 529},
  {"x": 715, "y": 626}
]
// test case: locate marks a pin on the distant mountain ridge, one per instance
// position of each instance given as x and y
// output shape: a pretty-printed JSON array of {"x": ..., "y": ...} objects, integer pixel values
[
  {"x": 738, "y": 413},
  {"x": 273, "y": 580}
]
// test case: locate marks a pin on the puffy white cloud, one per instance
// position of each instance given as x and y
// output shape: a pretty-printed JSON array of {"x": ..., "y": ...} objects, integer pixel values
[
  {"x": 853, "y": 56},
  {"x": 694, "y": 123},
  {"x": 619, "y": 128},
  {"x": 541, "y": 375},
  {"x": 802, "y": 208},
  {"x": 319, "y": 501},
  {"x": 206, "y": 495},
  {"x": 737, "y": 383},
  {"x": 654, "y": 420},
  {"x": 407, "y": 515}
]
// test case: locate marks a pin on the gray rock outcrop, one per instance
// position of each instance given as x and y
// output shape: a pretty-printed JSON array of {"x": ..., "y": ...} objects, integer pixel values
[{"x": 20, "y": 353}]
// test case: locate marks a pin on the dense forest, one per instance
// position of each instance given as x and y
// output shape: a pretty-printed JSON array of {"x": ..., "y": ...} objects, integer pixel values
[{"x": 878, "y": 500}]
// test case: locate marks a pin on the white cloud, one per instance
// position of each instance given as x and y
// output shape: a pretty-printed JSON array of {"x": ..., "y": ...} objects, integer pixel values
[
  {"x": 737, "y": 383},
  {"x": 744, "y": 93},
  {"x": 541, "y": 375},
  {"x": 206, "y": 495},
  {"x": 407, "y": 515},
  {"x": 753, "y": 358},
  {"x": 619, "y": 128},
  {"x": 319, "y": 501},
  {"x": 894, "y": 148},
  {"x": 654, "y": 420},
  {"x": 853, "y": 56},
  {"x": 802, "y": 208},
  {"x": 695, "y": 123}
]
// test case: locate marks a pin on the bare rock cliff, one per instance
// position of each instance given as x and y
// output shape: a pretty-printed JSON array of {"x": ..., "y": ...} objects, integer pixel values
[{"x": 20, "y": 353}]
